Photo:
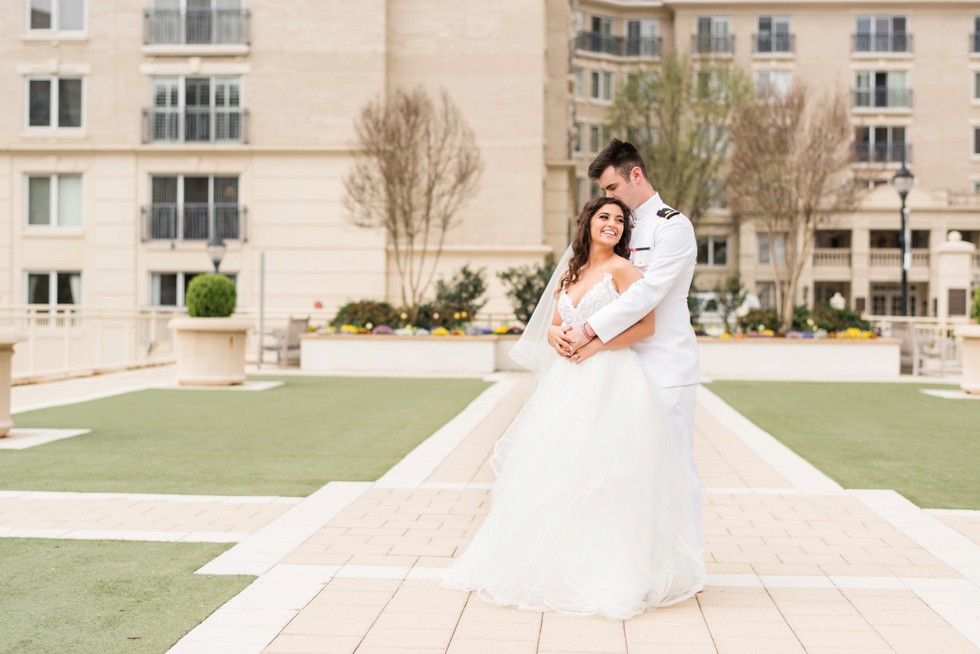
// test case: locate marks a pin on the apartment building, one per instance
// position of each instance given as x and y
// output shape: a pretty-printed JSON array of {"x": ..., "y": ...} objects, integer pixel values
[
  {"x": 911, "y": 69},
  {"x": 135, "y": 131}
]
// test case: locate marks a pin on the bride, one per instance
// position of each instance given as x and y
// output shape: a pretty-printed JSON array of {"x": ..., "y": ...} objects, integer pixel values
[{"x": 588, "y": 511}]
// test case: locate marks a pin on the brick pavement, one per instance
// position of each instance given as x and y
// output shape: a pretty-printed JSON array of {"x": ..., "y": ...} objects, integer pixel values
[{"x": 795, "y": 563}]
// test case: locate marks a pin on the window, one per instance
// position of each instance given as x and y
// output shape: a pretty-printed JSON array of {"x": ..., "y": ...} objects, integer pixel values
[
  {"x": 881, "y": 144},
  {"x": 976, "y": 187},
  {"x": 579, "y": 82},
  {"x": 712, "y": 84},
  {"x": 882, "y": 34},
  {"x": 168, "y": 289},
  {"x": 196, "y": 109},
  {"x": 577, "y": 138},
  {"x": 195, "y": 22},
  {"x": 713, "y": 250},
  {"x": 188, "y": 207},
  {"x": 602, "y": 82},
  {"x": 765, "y": 254},
  {"x": 54, "y": 201},
  {"x": 766, "y": 292},
  {"x": 773, "y": 34},
  {"x": 602, "y": 25},
  {"x": 54, "y": 102},
  {"x": 882, "y": 88},
  {"x": 54, "y": 287},
  {"x": 713, "y": 35},
  {"x": 599, "y": 137},
  {"x": 56, "y": 15},
  {"x": 976, "y": 141},
  {"x": 975, "y": 36},
  {"x": 773, "y": 83},
  {"x": 642, "y": 37},
  {"x": 976, "y": 85}
]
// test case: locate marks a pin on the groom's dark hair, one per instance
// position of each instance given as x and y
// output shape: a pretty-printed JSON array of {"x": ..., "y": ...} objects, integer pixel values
[{"x": 622, "y": 155}]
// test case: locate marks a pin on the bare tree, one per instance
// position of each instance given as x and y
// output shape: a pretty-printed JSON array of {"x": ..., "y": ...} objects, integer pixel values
[
  {"x": 417, "y": 164},
  {"x": 677, "y": 116},
  {"x": 790, "y": 172}
]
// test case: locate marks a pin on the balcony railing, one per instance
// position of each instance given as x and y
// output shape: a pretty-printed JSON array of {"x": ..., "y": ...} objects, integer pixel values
[
  {"x": 775, "y": 43},
  {"x": 713, "y": 44},
  {"x": 193, "y": 222},
  {"x": 892, "y": 257},
  {"x": 619, "y": 46},
  {"x": 195, "y": 124},
  {"x": 883, "y": 152},
  {"x": 832, "y": 257},
  {"x": 976, "y": 261},
  {"x": 883, "y": 97},
  {"x": 887, "y": 42},
  {"x": 195, "y": 27}
]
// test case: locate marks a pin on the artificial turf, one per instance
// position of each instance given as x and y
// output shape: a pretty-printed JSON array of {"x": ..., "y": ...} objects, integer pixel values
[
  {"x": 873, "y": 435},
  {"x": 285, "y": 441},
  {"x": 59, "y": 596}
]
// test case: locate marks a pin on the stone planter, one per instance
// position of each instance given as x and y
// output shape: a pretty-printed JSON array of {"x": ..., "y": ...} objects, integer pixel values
[
  {"x": 7, "y": 339},
  {"x": 391, "y": 354},
  {"x": 210, "y": 351},
  {"x": 971, "y": 358}
]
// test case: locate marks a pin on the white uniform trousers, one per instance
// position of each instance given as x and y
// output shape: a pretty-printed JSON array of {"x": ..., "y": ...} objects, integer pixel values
[{"x": 679, "y": 402}]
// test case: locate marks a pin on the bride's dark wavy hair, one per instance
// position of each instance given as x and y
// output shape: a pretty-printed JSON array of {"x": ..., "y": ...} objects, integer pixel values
[{"x": 583, "y": 239}]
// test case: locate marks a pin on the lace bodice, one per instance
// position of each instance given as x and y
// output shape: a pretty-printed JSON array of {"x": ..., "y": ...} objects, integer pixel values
[{"x": 594, "y": 299}]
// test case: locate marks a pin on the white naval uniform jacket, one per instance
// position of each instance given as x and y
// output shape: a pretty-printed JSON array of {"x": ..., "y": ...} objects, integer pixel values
[{"x": 670, "y": 357}]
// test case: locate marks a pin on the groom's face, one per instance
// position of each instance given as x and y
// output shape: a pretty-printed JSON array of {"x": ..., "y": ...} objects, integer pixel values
[{"x": 626, "y": 189}]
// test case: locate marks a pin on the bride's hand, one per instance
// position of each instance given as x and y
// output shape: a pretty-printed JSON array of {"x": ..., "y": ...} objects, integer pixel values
[
  {"x": 586, "y": 351},
  {"x": 558, "y": 339}
]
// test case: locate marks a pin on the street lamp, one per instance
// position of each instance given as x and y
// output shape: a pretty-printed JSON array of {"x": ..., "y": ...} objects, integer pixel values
[
  {"x": 216, "y": 249},
  {"x": 903, "y": 184}
]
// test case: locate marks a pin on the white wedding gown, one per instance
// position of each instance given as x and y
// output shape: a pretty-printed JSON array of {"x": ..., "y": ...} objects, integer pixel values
[{"x": 591, "y": 512}]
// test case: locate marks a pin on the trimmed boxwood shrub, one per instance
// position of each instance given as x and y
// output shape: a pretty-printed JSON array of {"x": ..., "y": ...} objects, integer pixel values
[
  {"x": 366, "y": 312},
  {"x": 211, "y": 296}
]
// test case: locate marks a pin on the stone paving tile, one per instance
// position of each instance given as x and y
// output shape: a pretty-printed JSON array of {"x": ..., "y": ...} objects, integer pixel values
[
  {"x": 725, "y": 461},
  {"x": 137, "y": 515},
  {"x": 969, "y": 526}
]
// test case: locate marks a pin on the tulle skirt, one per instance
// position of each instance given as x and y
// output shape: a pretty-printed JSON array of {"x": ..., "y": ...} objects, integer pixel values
[{"x": 594, "y": 510}]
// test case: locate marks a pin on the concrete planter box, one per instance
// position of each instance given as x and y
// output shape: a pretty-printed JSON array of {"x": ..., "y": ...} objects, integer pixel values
[
  {"x": 800, "y": 359},
  {"x": 210, "y": 351},
  {"x": 473, "y": 355},
  {"x": 971, "y": 358},
  {"x": 8, "y": 337}
]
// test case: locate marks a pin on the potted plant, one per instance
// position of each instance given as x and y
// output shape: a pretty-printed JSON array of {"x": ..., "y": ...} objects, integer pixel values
[
  {"x": 971, "y": 349},
  {"x": 210, "y": 344}
]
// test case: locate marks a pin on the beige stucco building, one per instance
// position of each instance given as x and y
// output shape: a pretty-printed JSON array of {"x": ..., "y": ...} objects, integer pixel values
[
  {"x": 912, "y": 69},
  {"x": 133, "y": 131}
]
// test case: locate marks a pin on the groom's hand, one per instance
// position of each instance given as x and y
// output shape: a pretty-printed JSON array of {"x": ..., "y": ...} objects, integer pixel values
[
  {"x": 576, "y": 337},
  {"x": 558, "y": 339}
]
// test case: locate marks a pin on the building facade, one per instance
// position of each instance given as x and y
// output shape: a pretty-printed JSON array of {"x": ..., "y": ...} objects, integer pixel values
[
  {"x": 133, "y": 132},
  {"x": 912, "y": 72}
]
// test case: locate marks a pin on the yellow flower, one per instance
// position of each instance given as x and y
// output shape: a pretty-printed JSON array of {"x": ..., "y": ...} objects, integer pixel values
[
  {"x": 463, "y": 313},
  {"x": 503, "y": 329},
  {"x": 440, "y": 331},
  {"x": 404, "y": 316},
  {"x": 456, "y": 316}
]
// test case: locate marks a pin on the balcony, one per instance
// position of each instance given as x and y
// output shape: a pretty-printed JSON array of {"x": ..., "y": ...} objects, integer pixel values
[
  {"x": 888, "y": 42},
  {"x": 195, "y": 27},
  {"x": 884, "y": 153},
  {"x": 832, "y": 258},
  {"x": 882, "y": 98},
  {"x": 195, "y": 125},
  {"x": 708, "y": 44},
  {"x": 892, "y": 258},
  {"x": 193, "y": 222},
  {"x": 619, "y": 46},
  {"x": 774, "y": 43}
]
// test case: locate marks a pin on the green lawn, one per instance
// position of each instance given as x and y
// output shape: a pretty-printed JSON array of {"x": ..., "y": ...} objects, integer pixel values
[
  {"x": 873, "y": 435},
  {"x": 61, "y": 596},
  {"x": 284, "y": 441}
]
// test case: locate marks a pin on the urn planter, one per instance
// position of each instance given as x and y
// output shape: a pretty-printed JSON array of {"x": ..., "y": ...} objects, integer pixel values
[
  {"x": 971, "y": 358},
  {"x": 8, "y": 337},
  {"x": 210, "y": 351}
]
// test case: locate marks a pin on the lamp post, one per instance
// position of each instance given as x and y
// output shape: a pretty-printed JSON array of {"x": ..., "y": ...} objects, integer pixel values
[
  {"x": 903, "y": 184},
  {"x": 216, "y": 249}
]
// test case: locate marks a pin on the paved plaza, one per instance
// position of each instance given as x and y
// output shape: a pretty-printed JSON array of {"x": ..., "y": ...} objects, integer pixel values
[{"x": 796, "y": 563}]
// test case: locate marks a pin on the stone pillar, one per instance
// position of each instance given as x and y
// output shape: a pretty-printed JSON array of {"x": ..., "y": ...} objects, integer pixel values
[
  {"x": 953, "y": 278},
  {"x": 7, "y": 339}
]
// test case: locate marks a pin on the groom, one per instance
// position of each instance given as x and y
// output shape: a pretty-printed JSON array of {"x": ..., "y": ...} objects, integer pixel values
[{"x": 664, "y": 249}]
